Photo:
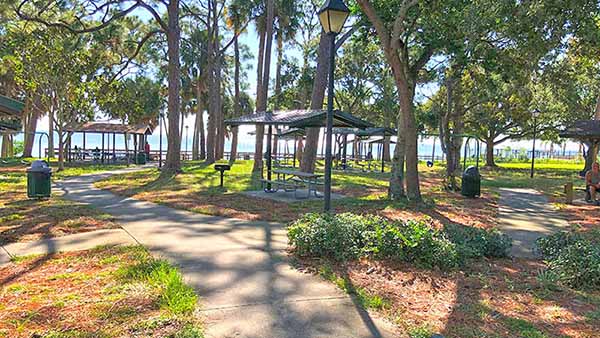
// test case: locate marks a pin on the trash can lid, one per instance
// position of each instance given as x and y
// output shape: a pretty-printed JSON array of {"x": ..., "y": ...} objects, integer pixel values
[
  {"x": 39, "y": 166},
  {"x": 472, "y": 171}
]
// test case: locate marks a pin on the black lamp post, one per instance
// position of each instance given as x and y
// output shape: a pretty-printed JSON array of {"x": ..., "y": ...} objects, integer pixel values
[
  {"x": 535, "y": 114},
  {"x": 332, "y": 15},
  {"x": 160, "y": 120}
]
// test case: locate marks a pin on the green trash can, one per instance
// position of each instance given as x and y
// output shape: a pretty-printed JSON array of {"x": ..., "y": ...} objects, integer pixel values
[
  {"x": 141, "y": 158},
  {"x": 471, "y": 182},
  {"x": 39, "y": 184}
]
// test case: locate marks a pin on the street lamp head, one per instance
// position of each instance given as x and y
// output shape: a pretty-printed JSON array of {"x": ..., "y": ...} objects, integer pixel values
[{"x": 333, "y": 15}]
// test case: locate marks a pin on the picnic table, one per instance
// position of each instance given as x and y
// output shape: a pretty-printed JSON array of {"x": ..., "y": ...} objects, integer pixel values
[{"x": 290, "y": 180}]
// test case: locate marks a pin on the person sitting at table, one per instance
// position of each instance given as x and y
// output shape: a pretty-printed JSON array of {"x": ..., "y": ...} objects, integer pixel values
[
  {"x": 592, "y": 182},
  {"x": 96, "y": 153},
  {"x": 77, "y": 152}
]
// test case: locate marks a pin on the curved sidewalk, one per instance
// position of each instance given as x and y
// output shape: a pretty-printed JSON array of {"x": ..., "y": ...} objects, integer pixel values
[
  {"x": 238, "y": 268},
  {"x": 526, "y": 215}
]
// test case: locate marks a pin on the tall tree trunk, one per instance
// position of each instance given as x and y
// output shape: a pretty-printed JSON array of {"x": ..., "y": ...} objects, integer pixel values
[
  {"x": 220, "y": 144},
  {"x": 51, "y": 132},
  {"x": 198, "y": 150},
  {"x": 451, "y": 125},
  {"x": 309, "y": 155},
  {"x": 211, "y": 130},
  {"x": 261, "y": 103},
  {"x": 61, "y": 149},
  {"x": 592, "y": 153},
  {"x": 30, "y": 118},
  {"x": 489, "y": 152},
  {"x": 173, "y": 161},
  {"x": 396, "y": 187},
  {"x": 236, "y": 98},
  {"x": 277, "y": 102},
  {"x": 258, "y": 145}
]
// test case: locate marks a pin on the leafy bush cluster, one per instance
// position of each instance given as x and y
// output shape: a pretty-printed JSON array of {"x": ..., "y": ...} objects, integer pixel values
[
  {"x": 572, "y": 259},
  {"x": 348, "y": 236}
]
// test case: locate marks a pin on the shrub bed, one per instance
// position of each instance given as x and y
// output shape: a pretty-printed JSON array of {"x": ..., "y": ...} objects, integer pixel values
[
  {"x": 572, "y": 259},
  {"x": 349, "y": 236}
]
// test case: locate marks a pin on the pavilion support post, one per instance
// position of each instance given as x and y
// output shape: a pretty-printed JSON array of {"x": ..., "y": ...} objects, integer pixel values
[
  {"x": 135, "y": 148},
  {"x": 83, "y": 150},
  {"x": 345, "y": 152},
  {"x": 269, "y": 155},
  {"x": 102, "y": 155},
  {"x": 383, "y": 156},
  {"x": 114, "y": 150},
  {"x": 69, "y": 149},
  {"x": 295, "y": 149}
]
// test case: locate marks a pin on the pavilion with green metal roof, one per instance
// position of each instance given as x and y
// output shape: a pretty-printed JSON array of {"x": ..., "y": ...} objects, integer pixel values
[{"x": 296, "y": 119}]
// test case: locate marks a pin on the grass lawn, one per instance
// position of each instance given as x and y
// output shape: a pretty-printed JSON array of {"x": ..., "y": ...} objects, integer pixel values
[
  {"x": 22, "y": 219},
  {"x": 104, "y": 292},
  {"x": 196, "y": 189}
]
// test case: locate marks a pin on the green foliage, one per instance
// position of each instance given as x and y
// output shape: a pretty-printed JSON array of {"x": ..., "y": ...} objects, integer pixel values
[
  {"x": 572, "y": 259},
  {"x": 18, "y": 147},
  {"x": 475, "y": 242},
  {"x": 174, "y": 295},
  {"x": 419, "y": 332},
  {"x": 348, "y": 236},
  {"x": 550, "y": 247},
  {"x": 188, "y": 331}
]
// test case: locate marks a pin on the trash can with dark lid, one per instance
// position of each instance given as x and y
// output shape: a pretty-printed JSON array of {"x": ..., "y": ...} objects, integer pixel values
[
  {"x": 38, "y": 180},
  {"x": 141, "y": 158},
  {"x": 471, "y": 182}
]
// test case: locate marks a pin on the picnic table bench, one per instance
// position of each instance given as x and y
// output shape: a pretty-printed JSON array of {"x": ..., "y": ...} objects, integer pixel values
[{"x": 290, "y": 180}]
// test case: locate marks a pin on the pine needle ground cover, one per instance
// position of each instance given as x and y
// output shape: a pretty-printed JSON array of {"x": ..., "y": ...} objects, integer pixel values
[
  {"x": 23, "y": 219},
  {"x": 456, "y": 281},
  {"x": 197, "y": 189},
  {"x": 104, "y": 292}
]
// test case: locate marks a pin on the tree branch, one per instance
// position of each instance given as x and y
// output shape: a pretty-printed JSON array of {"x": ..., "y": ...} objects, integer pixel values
[
  {"x": 67, "y": 26},
  {"x": 155, "y": 14}
]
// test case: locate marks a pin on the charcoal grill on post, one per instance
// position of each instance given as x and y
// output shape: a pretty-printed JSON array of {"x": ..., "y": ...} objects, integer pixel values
[{"x": 222, "y": 168}]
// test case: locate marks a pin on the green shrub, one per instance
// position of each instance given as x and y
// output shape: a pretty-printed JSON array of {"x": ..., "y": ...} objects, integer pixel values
[
  {"x": 349, "y": 236},
  {"x": 551, "y": 246},
  {"x": 341, "y": 237},
  {"x": 474, "y": 242},
  {"x": 572, "y": 259}
]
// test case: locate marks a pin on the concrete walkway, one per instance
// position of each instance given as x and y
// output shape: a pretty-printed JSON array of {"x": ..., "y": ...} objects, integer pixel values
[
  {"x": 526, "y": 215},
  {"x": 238, "y": 268},
  {"x": 75, "y": 242}
]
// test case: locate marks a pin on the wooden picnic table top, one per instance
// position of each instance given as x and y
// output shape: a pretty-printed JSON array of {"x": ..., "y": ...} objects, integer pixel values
[{"x": 296, "y": 173}]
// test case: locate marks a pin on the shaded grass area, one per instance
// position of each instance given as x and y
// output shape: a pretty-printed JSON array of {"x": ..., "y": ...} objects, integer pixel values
[
  {"x": 196, "y": 189},
  {"x": 492, "y": 298},
  {"x": 23, "y": 219},
  {"x": 104, "y": 292}
]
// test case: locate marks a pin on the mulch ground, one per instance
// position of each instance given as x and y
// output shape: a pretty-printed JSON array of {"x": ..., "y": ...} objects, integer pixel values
[{"x": 492, "y": 298}]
